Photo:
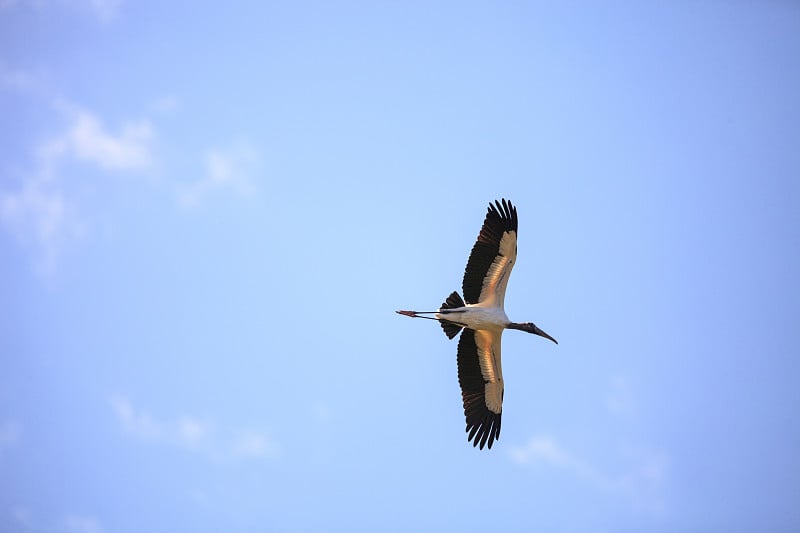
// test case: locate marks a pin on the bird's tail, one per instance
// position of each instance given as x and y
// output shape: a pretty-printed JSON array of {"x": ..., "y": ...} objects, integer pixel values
[{"x": 452, "y": 302}]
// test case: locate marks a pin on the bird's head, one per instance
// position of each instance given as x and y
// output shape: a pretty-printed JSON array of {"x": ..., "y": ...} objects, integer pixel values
[{"x": 530, "y": 327}]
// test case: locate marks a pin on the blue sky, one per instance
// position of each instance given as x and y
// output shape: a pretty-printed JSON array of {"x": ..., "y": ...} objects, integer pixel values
[{"x": 208, "y": 217}]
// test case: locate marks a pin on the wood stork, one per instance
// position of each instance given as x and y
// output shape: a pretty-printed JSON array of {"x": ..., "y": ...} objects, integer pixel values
[{"x": 483, "y": 320}]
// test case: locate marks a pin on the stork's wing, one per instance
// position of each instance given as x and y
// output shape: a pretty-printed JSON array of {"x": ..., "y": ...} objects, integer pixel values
[
  {"x": 492, "y": 257},
  {"x": 481, "y": 378}
]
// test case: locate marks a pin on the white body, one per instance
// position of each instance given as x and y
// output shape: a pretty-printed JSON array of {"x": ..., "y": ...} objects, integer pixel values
[{"x": 477, "y": 316}]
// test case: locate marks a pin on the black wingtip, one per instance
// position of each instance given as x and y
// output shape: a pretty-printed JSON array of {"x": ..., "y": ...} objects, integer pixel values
[
  {"x": 505, "y": 211},
  {"x": 484, "y": 433}
]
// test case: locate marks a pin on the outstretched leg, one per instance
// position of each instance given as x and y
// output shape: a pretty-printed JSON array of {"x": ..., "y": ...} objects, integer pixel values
[{"x": 418, "y": 314}]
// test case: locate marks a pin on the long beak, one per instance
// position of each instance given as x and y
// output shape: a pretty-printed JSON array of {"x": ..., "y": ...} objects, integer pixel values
[{"x": 541, "y": 333}]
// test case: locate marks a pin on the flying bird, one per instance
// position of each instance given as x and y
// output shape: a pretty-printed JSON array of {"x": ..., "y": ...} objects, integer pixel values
[{"x": 481, "y": 320}]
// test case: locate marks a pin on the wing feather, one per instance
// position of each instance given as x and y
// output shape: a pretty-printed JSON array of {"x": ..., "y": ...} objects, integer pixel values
[
  {"x": 481, "y": 379},
  {"x": 493, "y": 256}
]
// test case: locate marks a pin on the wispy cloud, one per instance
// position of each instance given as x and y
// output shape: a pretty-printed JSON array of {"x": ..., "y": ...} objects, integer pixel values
[
  {"x": 165, "y": 104},
  {"x": 185, "y": 431},
  {"x": 8, "y": 4},
  {"x": 137, "y": 423},
  {"x": 26, "y": 520},
  {"x": 545, "y": 450},
  {"x": 227, "y": 169},
  {"x": 193, "y": 432},
  {"x": 40, "y": 203},
  {"x": 250, "y": 443},
  {"x": 88, "y": 140},
  {"x": 196, "y": 434},
  {"x": 39, "y": 215},
  {"x": 18, "y": 80},
  {"x": 642, "y": 483},
  {"x": 81, "y": 524},
  {"x": 39, "y": 211},
  {"x": 22, "y": 516},
  {"x": 104, "y": 10}
]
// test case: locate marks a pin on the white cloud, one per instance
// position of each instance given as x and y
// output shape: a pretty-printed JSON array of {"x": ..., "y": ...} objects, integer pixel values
[
  {"x": 540, "y": 448},
  {"x": 39, "y": 215},
  {"x": 19, "y": 80},
  {"x": 86, "y": 139},
  {"x": 8, "y": 4},
  {"x": 642, "y": 483},
  {"x": 137, "y": 423},
  {"x": 185, "y": 432},
  {"x": 41, "y": 206},
  {"x": 165, "y": 104},
  {"x": 22, "y": 516},
  {"x": 81, "y": 524},
  {"x": 194, "y": 434},
  {"x": 25, "y": 519},
  {"x": 545, "y": 450},
  {"x": 104, "y": 10},
  {"x": 253, "y": 444},
  {"x": 231, "y": 168},
  {"x": 39, "y": 211}
]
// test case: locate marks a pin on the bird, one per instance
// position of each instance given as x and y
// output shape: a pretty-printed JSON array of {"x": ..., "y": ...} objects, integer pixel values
[{"x": 481, "y": 320}]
